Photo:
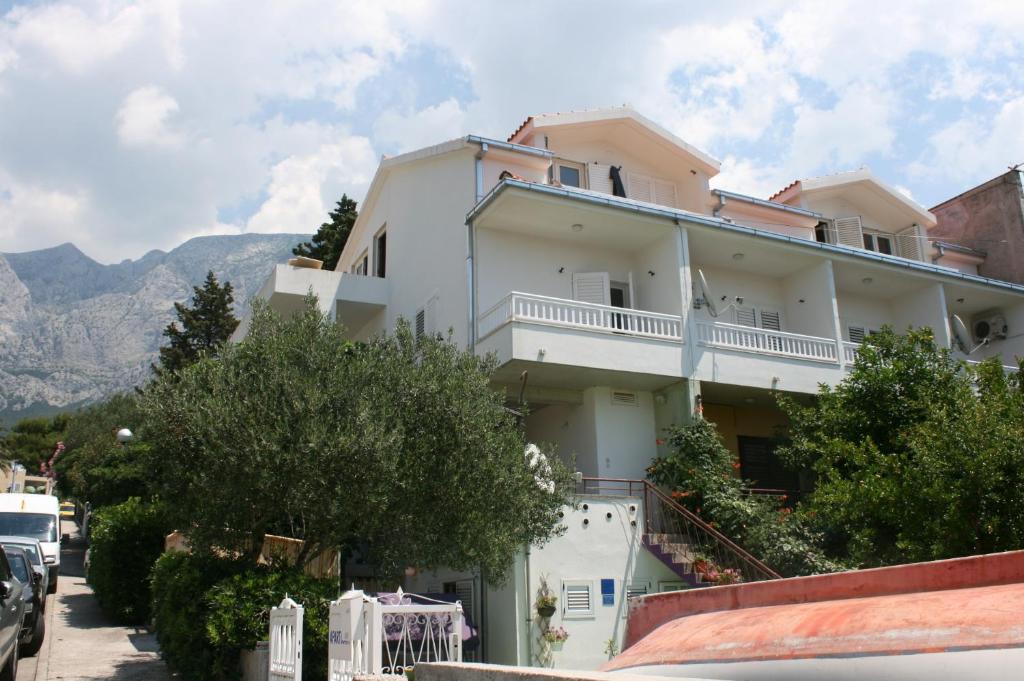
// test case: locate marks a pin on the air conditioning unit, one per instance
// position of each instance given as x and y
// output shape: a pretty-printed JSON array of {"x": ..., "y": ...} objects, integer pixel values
[{"x": 989, "y": 326}]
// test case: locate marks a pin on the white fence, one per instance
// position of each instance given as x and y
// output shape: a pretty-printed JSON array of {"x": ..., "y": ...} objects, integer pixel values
[
  {"x": 850, "y": 353},
  {"x": 286, "y": 641},
  {"x": 367, "y": 636},
  {"x": 762, "y": 341},
  {"x": 573, "y": 314}
]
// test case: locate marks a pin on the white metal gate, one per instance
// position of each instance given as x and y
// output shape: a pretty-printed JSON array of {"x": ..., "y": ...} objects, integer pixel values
[
  {"x": 286, "y": 641},
  {"x": 367, "y": 636}
]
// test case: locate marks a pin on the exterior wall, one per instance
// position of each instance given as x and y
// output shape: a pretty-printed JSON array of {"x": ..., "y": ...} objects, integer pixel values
[
  {"x": 660, "y": 292},
  {"x": 924, "y": 307},
  {"x": 571, "y": 429},
  {"x": 815, "y": 315},
  {"x": 734, "y": 367},
  {"x": 601, "y": 549},
  {"x": 754, "y": 421},
  {"x": 1012, "y": 346},
  {"x": 838, "y": 207},
  {"x": 494, "y": 166},
  {"x": 755, "y": 290},
  {"x": 989, "y": 218},
  {"x": 871, "y": 313},
  {"x": 777, "y": 221}
]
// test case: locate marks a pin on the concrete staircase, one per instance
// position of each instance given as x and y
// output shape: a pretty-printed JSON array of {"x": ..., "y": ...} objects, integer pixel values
[{"x": 677, "y": 555}]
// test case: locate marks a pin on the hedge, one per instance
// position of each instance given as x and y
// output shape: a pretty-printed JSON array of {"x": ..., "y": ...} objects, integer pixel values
[
  {"x": 208, "y": 610},
  {"x": 179, "y": 585},
  {"x": 125, "y": 541}
]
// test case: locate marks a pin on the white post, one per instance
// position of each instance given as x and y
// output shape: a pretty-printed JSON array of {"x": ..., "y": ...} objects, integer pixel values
[
  {"x": 346, "y": 637},
  {"x": 455, "y": 642},
  {"x": 375, "y": 639},
  {"x": 286, "y": 641}
]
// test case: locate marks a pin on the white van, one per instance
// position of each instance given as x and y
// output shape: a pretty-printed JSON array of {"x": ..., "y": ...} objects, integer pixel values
[{"x": 36, "y": 516}]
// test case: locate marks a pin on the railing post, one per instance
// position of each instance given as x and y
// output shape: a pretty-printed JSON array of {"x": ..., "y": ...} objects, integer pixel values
[{"x": 375, "y": 638}]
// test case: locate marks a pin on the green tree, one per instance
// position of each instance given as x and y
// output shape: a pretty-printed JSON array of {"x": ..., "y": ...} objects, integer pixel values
[
  {"x": 700, "y": 473},
  {"x": 97, "y": 468},
  {"x": 330, "y": 239},
  {"x": 399, "y": 445},
  {"x": 917, "y": 456},
  {"x": 32, "y": 441},
  {"x": 205, "y": 326}
]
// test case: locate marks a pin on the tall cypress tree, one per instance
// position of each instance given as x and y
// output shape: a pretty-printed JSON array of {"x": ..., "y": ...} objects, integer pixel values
[
  {"x": 205, "y": 326},
  {"x": 330, "y": 239}
]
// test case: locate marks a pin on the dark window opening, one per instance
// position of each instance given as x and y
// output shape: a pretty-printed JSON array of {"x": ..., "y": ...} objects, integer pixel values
[
  {"x": 380, "y": 253},
  {"x": 821, "y": 233},
  {"x": 764, "y": 470}
]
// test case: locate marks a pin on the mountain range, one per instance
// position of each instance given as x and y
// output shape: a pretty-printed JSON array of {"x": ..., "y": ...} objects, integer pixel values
[{"x": 73, "y": 331}]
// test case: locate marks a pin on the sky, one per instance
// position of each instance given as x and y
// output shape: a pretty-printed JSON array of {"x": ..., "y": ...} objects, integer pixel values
[{"x": 129, "y": 126}]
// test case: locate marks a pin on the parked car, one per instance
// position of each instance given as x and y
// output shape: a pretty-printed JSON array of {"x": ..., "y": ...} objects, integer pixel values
[
  {"x": 36, "y": 516},
  {"x": 67, "y": 510},
  {"x": 12, "y": 615},
  {"x": 33, "y": 624},
  {"x": 35, "y": 555}
]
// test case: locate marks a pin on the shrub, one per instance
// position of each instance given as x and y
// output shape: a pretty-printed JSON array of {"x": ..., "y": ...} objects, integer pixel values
[
  {"x": 238, "y": 616},
  {"x": 126, "y": 540},
  {"x": 179, "y": 585}
]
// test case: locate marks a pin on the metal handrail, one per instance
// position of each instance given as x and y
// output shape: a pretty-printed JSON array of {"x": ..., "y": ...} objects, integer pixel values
[{"x": 692, "y": 518}]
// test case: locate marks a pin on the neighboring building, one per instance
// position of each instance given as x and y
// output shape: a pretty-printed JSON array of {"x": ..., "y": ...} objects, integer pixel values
[
  {"x": 589, "y": 251},
  {"x": 988, "y": 218}
]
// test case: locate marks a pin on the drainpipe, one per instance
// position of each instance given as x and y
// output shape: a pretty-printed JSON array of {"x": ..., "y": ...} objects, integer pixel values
[
  {"x": 940, "y": 249},
  {"x": 471, "y": 250},
  {"x": 528, "y": 611},
  {"x": 716, "y": 211}
]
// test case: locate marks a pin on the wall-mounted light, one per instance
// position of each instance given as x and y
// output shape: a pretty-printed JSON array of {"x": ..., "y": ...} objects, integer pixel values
[
  {"x": 561, "y": 270},
  {"x": 802, "y": 300},
  {"x": 959, "y": 300},
  {"x": 577, "y": 227},
  {"x": 650, "y": 272}
]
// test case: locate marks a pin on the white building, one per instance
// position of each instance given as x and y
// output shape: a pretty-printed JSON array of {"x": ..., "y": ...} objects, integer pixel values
[{"x": 627, "y": 312}]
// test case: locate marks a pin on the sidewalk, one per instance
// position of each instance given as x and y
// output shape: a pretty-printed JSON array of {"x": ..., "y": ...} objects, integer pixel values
[{"x": 81, "y": 643}]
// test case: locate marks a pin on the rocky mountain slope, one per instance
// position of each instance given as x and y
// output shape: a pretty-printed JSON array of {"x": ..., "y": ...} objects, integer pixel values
[{"x": 73, "y": 331}]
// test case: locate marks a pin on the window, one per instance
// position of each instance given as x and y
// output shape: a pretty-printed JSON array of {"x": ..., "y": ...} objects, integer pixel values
[
  {"x": 421, "y": 322},
  {"x": 821, "y": 233},
  {"x": 568, "y": 173},
  {"x": 362, "y": 264},
  {"x": 760, "y": 465},
  {"x": 380, "y": 254},
  {"x": 578, "y": 600},
  {"x": 39, "y": 526},
  {"x": 878, "y": 243}
]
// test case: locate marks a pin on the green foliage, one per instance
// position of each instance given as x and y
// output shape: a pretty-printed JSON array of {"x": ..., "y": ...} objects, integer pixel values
[
  {"x": 700, "y": 472},
  {"x": 297, "y": 431},
  {"x": 329, "y": 240},
  {"x": 32, "y": 441},
  {"x": 239, "y": 616},
  {"x": 96, "y": 467},
  {"x": 917, "y": 456},
  {"x": 179, "y": 585},
  {"x": 124, "y": 543},
  {"x": 205, "y": 326}
]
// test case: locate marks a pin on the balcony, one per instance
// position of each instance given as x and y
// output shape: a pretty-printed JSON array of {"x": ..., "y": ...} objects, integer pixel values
[
  {"x": 765, "y": 342},
  {"x": 573, "y": 314}
]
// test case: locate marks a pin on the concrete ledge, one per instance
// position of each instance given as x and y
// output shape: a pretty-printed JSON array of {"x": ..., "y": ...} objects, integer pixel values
[{"x": 439, "y": 671}]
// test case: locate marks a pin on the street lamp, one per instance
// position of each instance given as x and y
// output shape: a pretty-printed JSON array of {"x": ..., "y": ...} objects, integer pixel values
[{"x": 124, "y": 435}]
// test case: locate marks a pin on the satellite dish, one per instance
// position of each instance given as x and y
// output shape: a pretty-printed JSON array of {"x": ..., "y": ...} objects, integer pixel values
[
  {"x": 705, "y": 293},
  {"x": 962, "y": 337}
]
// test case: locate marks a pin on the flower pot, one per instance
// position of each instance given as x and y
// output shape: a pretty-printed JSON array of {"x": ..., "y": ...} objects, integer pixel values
[
  {"x": 555, "y": 645},
  {"x": 546, "y": 610}
]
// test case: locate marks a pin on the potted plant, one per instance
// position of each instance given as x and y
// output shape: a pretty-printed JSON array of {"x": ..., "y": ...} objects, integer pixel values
[
  {"x": 730, "y": 576},
  {"x": 701, "y": 564},
  {"x": 554, "y": 637},
  {"x": 545, "y": 603}
]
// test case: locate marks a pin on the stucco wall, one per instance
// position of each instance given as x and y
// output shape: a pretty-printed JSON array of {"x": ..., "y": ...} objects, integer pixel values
[
  {"x": 813, "y": 316},
  {"x": 752, "y": 421},
  {"x": 570, "y": 428}
]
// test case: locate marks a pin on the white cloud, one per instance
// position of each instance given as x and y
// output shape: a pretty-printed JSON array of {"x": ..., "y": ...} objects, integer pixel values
[
  {"x": 29, "y": 212},
  {"x": 841, "y": 136},
  {"x": 421, "y": 128},
  {"x": 303, "y": 188},
  {"x": 142, "y": 118}
]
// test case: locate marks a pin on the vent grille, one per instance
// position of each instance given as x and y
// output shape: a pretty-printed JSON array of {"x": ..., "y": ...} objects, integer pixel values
[
  {"x": 771, "y": 320},
  {"x": 621, "y": 397},
  {"x": 856, "y": 334},
  {"x": 577, "y": 598},
  {"x": 421, "y": 322},
  {"x": 634, "y": 590}
]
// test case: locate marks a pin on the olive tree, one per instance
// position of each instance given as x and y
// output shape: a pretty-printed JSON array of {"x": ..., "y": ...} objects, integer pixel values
[{"x": 397, "y": 446}]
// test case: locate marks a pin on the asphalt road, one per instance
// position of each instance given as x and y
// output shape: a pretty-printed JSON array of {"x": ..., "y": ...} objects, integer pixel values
[{"x": 81, "y": 642}]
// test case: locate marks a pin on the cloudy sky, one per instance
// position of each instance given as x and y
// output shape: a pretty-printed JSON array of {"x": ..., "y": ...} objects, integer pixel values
[{"x": 127, "y": 126}]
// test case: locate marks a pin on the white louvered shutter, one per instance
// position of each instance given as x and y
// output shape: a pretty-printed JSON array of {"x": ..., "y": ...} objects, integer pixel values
[
  {"x": 641, "y": 188},
  {"x": 771, "y": 320},
  {"x": 746, "y": 316},
  {"x": 910, "y": 243},
  {"x": 592, "y": 287},
  {"x": 421, "y": 322},
  {"x": 849, "y": 232},
  {"x": 464, "y": 592},
  {"x": 599, "y": 177},
  {"x": 578, "y": 599},
  {"x": 665, "y": 193},
  {"x": 856, "y": 334},
  {"x": 636, "y": 589}
]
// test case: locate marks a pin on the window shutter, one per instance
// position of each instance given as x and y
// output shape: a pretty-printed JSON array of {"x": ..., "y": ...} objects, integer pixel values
[
  {"x": 910, "y": 243},
  {"x": 421, "y": 322},
  {"x": 771, "y": 320},
  {"x": 665, "y": 193},
  {"x": 578, "y": 599},
  {"x": 746, "y": 316},
  {"x": 599, "y": 177},
  {"x": 849, "y": 232},
  {"x": 636, "y": 589},
  {"x": 592, "y": 287},
  {"x": 641, "y": 188},
  {"x": 856, "y": 334}
]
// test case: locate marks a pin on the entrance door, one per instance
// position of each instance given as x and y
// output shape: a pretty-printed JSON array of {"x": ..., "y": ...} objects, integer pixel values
[
  {"x": 620, "y": 297},
  {"x": 765, "y": 471}
]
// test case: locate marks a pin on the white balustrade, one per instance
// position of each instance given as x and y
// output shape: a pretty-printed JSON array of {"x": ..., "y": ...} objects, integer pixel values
[
  {"x": 573, "y": 314},
  {"x": 850, "y": 353},
  {"x": 763, "y": 341}
]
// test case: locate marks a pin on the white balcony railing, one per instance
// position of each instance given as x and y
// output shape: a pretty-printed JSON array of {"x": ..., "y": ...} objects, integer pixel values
[
  {"x": 762, "y": 341},
  {"x": 849, "y": 353},
  {"x": 573, "y": 314}
]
